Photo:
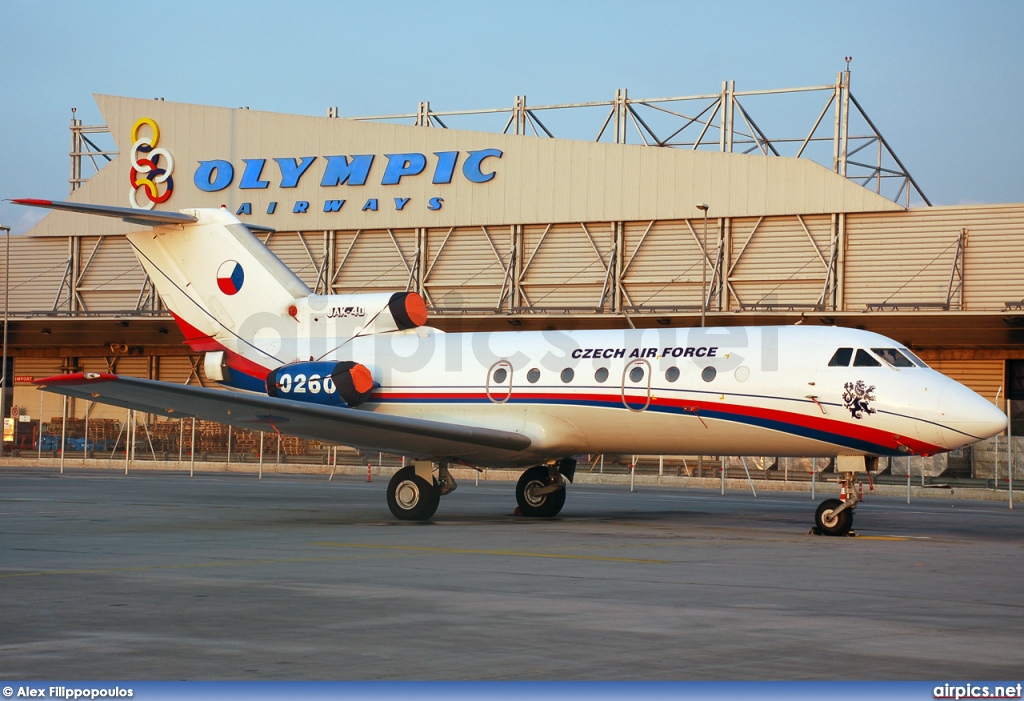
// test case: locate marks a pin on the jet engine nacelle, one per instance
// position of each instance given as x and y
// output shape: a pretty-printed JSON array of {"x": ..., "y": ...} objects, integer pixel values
[
  {"x": 331, "y": 383},
  {"x": 364, "y": 313}
]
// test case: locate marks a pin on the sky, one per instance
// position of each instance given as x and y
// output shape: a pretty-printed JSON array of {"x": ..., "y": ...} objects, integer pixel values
[{"x": 941, "y": 80}]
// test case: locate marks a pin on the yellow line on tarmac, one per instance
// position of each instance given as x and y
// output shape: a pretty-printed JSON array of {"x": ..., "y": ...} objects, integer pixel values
[{"x": 504, "y": 553}]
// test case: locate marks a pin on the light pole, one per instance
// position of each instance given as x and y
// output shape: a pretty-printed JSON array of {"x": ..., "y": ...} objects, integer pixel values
[
  {"x": 7, "y": 305},
  {"x": 704, "y": 265}
]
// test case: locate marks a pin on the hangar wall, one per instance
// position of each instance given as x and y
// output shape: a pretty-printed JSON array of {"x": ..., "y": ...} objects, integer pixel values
[
  {"x": 887, "y": 261},
  {"x": 947, "y": 281},
  {"x": 858, "y": 269}
]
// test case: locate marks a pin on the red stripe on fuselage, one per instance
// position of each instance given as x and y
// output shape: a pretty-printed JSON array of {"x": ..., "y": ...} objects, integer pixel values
[{"x": 867, "y": 434}]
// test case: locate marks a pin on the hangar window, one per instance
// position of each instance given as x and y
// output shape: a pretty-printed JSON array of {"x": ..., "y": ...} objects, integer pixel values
[
  {"x": 709, "y": 374},
  {"x": 841, "y": 359},
  {"x": 567, "y": 375},
  {"x": 864, "y": 360},
  {"x": 601, "y": 375},
  {"x": 893, "y": 357},
  {"x": 533, "y": 375},
  {"x": 672, "y": 374}
]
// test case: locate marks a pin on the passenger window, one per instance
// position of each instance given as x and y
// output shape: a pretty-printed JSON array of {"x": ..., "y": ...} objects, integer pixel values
[
  {"x": 567, "y": 375},
  {"x": 601, "y": 375},
  {"x": 841, "y": 359},
  {"x": 533, "y": 375},
  {"x": 636, "y": 374},
  {"x": 500, "y": 374},
  {"x": 893, "y": 357},
  {"x": 672, "y": 374},
  {"x": 865, "y": 360}
]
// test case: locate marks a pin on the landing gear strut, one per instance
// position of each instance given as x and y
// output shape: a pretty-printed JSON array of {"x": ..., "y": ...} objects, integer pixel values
[
  {"x": 835, "y": 516},
  {"x": 540, "y": 491}
]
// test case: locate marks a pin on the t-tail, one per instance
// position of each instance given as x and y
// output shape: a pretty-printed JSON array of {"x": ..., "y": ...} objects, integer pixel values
[
  {"x": 223, "y": 286},
  {"x": 238, "y": 302}
]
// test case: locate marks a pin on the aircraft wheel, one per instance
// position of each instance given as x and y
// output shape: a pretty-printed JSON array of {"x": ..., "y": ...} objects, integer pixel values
[
  {"x": 410, "y": 497},
  {"x": 533, "y": 504},
  {"x": 831, "y": 523}
]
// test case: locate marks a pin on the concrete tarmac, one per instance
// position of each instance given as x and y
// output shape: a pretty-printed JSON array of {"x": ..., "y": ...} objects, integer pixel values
[{"x": 162, "y": 576}]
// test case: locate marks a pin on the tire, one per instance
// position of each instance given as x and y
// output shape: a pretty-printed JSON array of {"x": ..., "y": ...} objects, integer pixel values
[
  {"x": 833, "y": 524},
  {"x": 412, "y": 498},
  {"x": 538, "y": 506}
]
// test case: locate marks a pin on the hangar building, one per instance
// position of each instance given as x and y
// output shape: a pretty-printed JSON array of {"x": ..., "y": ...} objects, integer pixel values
[{"x": 511, "y": 227}]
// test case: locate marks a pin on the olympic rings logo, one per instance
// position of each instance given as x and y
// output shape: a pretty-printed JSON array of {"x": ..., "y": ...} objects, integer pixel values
[{"x": 151, "y": 167}]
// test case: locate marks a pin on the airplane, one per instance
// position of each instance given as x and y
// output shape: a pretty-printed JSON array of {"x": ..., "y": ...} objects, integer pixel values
[{"x": 365, "y": 370}]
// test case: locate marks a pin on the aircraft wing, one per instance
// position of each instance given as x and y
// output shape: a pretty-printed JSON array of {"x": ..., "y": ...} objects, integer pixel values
[{"x": 359, "y": 428}]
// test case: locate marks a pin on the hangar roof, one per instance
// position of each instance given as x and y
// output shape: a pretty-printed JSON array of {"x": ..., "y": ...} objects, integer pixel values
[{"x": 293, "y": 172}]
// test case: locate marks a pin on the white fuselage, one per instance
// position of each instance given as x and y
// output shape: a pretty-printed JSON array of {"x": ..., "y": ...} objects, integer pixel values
[
  {"x": 731, "y": 391},
  {"x": 738, "y": 391}
]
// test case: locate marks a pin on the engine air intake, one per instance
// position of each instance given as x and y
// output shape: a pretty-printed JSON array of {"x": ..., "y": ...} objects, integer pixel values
[{"x": 408, "y": 310}]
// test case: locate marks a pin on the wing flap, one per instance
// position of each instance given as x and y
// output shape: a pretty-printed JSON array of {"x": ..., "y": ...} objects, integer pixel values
[{"x": 356, "y": 427}]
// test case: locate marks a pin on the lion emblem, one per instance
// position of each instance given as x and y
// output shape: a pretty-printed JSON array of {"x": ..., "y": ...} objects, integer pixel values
[{"x": 856, "y": 398}]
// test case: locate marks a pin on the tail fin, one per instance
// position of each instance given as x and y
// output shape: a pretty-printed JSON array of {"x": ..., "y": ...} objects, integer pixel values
[
  {"x": 226, "y": 290},
  {"x": 220, "y": 282}
]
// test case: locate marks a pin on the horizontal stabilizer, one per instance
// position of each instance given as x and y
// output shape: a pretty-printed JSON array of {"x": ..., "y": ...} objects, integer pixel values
[
  {"x": 133, "y": 216},
  {"x": 145, "y": 217},
  {"x": 355, "y": 427}
]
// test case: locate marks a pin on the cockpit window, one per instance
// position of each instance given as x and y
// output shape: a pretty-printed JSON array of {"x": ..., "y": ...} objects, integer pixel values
[
  {"x": 917, "y": 361},
  {"x": 864, "y": 359},
  {"x": 841, "y": 359},
  {"x": 893, "y": 357}
]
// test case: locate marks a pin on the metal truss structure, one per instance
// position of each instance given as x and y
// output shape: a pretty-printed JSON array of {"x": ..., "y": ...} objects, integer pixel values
[
  {"x": 754, "y": 264},
  {"x": 85, "y": 150},
  {"x": 727, "y": 121}
]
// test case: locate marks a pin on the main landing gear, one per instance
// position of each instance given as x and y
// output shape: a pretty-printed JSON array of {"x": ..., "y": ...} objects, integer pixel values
[
  {"x": 835, "y": 516},
  {"x": 540, "y": 491},
  {"x": 414, "y": 492}
]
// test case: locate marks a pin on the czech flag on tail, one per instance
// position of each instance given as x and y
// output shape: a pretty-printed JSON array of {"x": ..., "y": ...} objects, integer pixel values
[{"x": 230, "y": 277}]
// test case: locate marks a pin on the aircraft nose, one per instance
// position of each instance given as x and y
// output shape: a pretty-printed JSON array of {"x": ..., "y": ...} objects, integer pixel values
[{"x": 969, "y": 413}]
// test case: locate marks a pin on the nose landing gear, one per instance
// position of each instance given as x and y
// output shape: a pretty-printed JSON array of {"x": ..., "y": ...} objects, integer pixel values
[{"x": 835, "y": 516}]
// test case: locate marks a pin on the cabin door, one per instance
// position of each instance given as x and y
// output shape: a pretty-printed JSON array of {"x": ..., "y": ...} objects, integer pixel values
[
  {"x": 636, "y": 385},
  {"x": 499, "y": 382}
]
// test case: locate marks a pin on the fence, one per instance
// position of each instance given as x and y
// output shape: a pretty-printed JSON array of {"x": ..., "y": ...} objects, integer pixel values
[{"x": 984, "y": 465}]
